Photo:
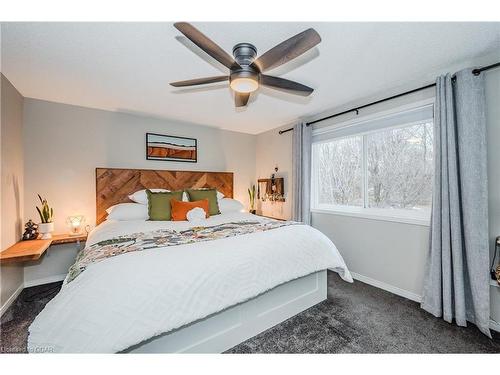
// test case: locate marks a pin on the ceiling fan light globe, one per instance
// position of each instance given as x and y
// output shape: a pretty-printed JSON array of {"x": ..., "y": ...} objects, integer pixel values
[{"x": 244, "y": 85}]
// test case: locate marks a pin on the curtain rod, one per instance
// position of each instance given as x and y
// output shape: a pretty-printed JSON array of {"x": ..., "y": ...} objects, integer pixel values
[{"x": 356, "y": 109}]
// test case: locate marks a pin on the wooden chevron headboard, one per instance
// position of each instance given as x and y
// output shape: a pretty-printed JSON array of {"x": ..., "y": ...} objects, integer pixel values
[{"x": 114, "y": 185}]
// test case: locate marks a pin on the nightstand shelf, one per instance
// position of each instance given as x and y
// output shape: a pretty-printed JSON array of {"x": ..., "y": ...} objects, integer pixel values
[{"x": 25, "y": 251}]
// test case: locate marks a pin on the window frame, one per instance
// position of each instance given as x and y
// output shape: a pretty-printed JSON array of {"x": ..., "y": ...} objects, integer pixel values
[{"x": 385, "y": 214}]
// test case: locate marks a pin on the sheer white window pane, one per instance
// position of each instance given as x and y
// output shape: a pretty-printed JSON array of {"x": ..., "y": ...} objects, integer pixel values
[
  {"x": 339, "y": 175},
  {"x": 400, "y": 167}
]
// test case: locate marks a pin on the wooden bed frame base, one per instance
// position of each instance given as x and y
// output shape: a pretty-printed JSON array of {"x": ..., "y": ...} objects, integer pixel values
[{"x": 224, "y": 330}]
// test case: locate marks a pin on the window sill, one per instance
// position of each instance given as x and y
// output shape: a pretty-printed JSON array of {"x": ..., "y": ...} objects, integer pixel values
[{"x": 374, "y": 214}]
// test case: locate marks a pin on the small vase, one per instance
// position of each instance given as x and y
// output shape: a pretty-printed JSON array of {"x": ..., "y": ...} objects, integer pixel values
[{"x": 45, "y": 230}]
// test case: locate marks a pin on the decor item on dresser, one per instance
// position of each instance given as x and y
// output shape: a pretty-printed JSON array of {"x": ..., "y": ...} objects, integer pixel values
[
  {"x": 251, "y": 196},
  {"x": 46, "y": 213},
  {"x": 171, "y": 148},
  {"x": 274, "y": 188},
  {"x": 30, "y": 231},
  {"x": 75, "y": 224}
]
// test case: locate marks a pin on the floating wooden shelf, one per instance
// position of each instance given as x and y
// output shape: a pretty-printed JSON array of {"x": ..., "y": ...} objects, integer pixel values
[{"x": 25, "y": 251}]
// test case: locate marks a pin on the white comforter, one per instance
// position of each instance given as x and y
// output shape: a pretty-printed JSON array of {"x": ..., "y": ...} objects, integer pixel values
[{"x": 123, "y": 300}]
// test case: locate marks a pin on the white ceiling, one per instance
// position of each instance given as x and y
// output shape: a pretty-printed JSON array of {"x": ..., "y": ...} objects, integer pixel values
[{"x": 127, "y": 66}]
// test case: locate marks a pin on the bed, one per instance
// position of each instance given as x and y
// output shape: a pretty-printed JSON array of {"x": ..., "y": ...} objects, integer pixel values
[{"x": 205, "y": 296}]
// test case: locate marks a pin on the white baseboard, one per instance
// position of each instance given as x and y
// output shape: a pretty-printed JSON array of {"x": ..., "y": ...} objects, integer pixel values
[
  {"x": 11, "y": 299},
  {"x": 387, "y": 287},
  {"x": 45, "y": 280}
]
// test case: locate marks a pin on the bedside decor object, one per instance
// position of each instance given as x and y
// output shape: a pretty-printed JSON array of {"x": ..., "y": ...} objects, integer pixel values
[
  {"x": 171, "y": 148},
  {"x": 30, "y": 231},
  {"x": 75, "y": 224},
  {"x": 251, "y": 195},
  {"x": 273, "y": 189},
  {"x": 46, "y": 216}
]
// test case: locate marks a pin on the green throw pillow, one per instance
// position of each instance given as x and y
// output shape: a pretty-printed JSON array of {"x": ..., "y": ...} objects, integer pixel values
[
  {"x": 210, "y": 194},
  {"x": 159, "y": 208}
]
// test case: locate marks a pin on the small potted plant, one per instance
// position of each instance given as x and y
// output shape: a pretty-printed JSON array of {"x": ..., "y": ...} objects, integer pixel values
[
  {"x": 251, "y": 195},
  {"x": 46, "y": 213}
]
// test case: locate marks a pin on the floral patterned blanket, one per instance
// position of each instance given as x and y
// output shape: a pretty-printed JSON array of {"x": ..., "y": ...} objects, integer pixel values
[{"x": 163, "y": 238}]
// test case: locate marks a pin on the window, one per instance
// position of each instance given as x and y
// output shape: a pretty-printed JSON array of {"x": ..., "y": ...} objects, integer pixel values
[{"x": 378, "y": 168}]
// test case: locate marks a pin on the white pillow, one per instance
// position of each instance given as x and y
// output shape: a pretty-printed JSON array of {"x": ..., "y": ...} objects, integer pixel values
[
  {"x": 128, "y": 211},
  {"x": 228, "y": 205},
  {"x": 141, "y": 196}
]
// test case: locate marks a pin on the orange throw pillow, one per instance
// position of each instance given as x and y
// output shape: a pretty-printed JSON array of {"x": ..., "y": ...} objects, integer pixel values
[{"x": 180, "y": 208}]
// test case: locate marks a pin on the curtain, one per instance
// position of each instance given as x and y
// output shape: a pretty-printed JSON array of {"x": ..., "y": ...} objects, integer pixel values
[
  {"x": 457, "y": 283},
  {"x": 301, "y": 186}
]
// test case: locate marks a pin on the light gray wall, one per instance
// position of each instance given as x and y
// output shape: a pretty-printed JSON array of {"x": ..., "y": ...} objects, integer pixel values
[
  {"x": 11, "y": 208},
  {"x": 64, "y": 144},
  {"x": 387, "y": 252}
]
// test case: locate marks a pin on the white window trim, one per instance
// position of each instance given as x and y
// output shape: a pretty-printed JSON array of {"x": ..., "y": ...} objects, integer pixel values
[{"x": 383, "y": 214}]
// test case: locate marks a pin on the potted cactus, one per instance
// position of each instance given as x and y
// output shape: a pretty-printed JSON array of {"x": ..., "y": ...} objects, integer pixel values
[
  {"x": 251, "y": 195},
  {"x": 46, "y": 213}
]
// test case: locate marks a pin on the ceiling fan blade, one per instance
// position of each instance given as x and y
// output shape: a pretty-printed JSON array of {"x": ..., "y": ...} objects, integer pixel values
[
  {"x": 288, "y": 50},
  {"x": 199, "y": 81},
  {"x": 285, "y": 85},
  {"x": 206, "y": 44},
  {"x": 241, "y": 99}
]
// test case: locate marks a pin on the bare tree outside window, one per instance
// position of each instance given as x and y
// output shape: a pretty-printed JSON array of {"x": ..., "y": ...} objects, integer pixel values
[
  {"x": 397, "y": 167},
  {"x": 339, "y": 172},
  {"x": 400, "y": 164}
]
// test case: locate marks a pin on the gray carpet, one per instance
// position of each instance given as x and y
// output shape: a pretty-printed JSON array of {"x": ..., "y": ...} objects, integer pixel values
[
  {"x": 356, "y": 318},
  {"x": 18, "y": 317}
]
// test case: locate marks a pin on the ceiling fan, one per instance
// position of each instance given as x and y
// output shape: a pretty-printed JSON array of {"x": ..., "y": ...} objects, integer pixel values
[{"x": 245, "y": 71}]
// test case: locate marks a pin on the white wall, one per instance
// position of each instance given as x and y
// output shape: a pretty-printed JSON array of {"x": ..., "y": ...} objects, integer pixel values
[
  {"x": 64, "y": 144},
  {"x": 275, "y": 150},
  {"x": 11, "y": 276}
]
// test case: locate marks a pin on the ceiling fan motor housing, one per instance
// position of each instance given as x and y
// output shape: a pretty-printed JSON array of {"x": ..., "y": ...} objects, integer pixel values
[{"x": 244, "y": 53}]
